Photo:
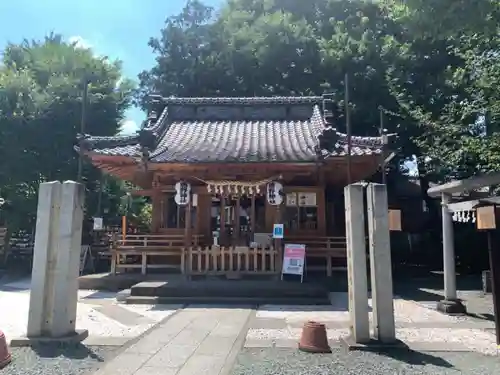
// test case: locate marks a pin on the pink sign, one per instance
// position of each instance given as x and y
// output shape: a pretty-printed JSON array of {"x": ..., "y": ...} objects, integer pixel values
[
  {"x": 295, "y": 251},
  {"x": 293, "y": 259}
]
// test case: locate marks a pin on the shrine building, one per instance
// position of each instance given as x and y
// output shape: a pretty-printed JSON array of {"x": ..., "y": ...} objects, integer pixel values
[{"x": 221, "y": 172}]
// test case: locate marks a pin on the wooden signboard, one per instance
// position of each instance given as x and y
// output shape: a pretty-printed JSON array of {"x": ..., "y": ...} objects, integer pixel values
[
  {"x": 294, "y": 259},
  {"x": 395, "y": 220},
  {"x": 486, "y": 217},
  {"x": 291, "y": 199},
  {"x": 307, "y": 199}
]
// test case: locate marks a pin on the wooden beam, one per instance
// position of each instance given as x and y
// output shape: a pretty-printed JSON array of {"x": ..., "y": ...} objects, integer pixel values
[
  {"x": 143, "y": 192},
  {"x": 472, "y": 204}
]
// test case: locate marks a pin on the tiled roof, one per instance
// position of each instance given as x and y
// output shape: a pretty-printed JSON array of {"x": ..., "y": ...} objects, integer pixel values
[
  {"x": 279, "y": 129},
  {"x": 243, "y": 100}
]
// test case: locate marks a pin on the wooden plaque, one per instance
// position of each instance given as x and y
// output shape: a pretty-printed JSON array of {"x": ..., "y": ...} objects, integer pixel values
[
  {"x": 486, "y": 217},
  {"x": 395, "y": 220},
  {"x": 291, "y": 199},
  {"x": 307, "y": 199}
]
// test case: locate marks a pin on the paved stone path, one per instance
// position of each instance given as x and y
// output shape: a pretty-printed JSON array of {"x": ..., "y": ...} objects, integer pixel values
[
  {"x": 195, "y": 341},
  {"x": 108, "y": 322},
  {"x": 420, "y": 327}
]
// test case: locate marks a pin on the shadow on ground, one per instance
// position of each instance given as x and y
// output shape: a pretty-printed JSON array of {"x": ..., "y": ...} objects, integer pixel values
[
  {"x": 412, "y": 357},
  {"x": 74, "y": 351}
]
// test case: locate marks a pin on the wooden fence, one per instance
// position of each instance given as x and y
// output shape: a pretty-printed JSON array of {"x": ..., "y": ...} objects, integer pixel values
[{"x": 238, "y": 260}]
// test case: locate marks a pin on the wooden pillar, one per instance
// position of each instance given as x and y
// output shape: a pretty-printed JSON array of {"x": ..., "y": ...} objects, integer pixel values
[
  {"x": 270, "y": 216},
  {"x": 222, "y": 234},
  {"x": 494, "y": 255},
  {"x": 278, "y": 242},
  {"x": 204, "y": 216},
  {"x": 236, "y": 223},
  {"x": 321, "y": 211},
  {"x": 188, "y": 230},
  {"x": 252, "y": 217},
  {"x": 157, "y": 208},
  {"x": 488, "y": 218}
]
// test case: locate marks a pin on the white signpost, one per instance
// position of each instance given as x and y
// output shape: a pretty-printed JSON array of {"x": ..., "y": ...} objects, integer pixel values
[
  {"x": 294, "y": 260},
  {"x": 278, "y": 231},
  {"x": 98, "y": 223}
]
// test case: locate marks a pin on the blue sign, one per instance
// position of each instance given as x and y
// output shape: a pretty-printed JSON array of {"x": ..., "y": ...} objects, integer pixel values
[{"x": 278, "y": 231}]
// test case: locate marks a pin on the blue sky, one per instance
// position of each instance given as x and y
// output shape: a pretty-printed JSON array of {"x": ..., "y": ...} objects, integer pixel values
[{"x": 115, "y": 28}]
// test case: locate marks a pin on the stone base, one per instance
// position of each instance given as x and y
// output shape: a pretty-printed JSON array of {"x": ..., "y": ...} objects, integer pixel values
[
  {"x": 452, "y": 307},
  {"x": 74, "y": 338},
  {"x": 486, "y": 279},
  {"x": 122, "y": 295},
  {"x": 349, "y": 344}
]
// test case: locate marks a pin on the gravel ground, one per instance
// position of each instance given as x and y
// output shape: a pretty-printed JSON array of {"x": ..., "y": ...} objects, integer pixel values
[
  {"x": 50, "y": 359},
  {"x": 293, "y": 362}
]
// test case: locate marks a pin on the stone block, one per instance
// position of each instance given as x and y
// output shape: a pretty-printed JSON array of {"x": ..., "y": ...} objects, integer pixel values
[
  {"x": 356, "y": 261},
  {"x": 56, "y": 263}
]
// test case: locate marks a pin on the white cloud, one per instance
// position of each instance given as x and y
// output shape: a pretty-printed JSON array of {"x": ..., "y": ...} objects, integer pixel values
[
  {"x": 128, "y": 127},
  {"x": 80, "y": 42}
]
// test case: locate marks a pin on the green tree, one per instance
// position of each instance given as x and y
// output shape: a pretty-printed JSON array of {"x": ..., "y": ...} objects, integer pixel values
[
  {"x": 445, "y": 80},
  {"x": 431, "y": 65},
  {"x": 41, "y": 86},
  {"x": 278, "y": 47}
]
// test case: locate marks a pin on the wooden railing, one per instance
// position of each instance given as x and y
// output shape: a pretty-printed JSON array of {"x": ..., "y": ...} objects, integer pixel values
[
  {"x": 238, "y": 260},
  {"x": 153, "y": 241},
  {"x": 145, "y": 246},
  {"x": 215, "y": 260},
  {"x": 329, "y": 248}
]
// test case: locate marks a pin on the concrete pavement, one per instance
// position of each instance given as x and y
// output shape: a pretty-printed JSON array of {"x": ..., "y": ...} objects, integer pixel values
[{"x": 195, "y": 341}]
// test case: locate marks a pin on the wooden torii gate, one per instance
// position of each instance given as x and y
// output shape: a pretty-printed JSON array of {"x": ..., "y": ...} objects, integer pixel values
[{"x": 487, "y": 218}]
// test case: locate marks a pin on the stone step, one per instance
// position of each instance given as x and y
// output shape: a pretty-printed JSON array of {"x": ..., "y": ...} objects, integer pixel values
[
  {"x": 229, "y": 288},
  {"x": 150, "y": 300}
]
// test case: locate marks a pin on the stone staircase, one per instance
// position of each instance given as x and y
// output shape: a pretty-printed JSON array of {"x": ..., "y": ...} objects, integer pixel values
[{"x": 228, "y": 292}]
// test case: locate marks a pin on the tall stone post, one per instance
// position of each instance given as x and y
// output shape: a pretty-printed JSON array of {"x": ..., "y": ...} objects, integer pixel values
[
  {"x": 54, "y": 291},
  {"x": 384, "y": 328},
  {"x": 356, "y": 263},
  {"x": 49, "y": 200},
  {"x": 450, "y": 304}
]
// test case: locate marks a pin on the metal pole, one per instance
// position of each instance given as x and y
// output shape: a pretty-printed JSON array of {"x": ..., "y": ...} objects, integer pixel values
[
  {"x": 82, "y": 127},
  {"x": 348, "y": 128}
]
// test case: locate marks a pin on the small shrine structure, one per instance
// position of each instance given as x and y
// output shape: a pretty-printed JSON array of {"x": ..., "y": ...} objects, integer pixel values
[
  {"x": 220, "y": 172},
  {"x": 485, "y": 214}
]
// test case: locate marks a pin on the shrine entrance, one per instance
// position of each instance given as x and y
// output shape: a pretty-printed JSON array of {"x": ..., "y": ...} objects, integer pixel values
[{"x": 235, "y": 219}]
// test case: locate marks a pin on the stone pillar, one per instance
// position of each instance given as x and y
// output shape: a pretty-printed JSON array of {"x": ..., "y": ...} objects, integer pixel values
[
  {"x": 450, "y": 304},
  {"x": 39, "y": 320},
  {"x": 56, "y": 262},
  {"x": 356, "y": 263},
  {"x": 384, "y": 328}
]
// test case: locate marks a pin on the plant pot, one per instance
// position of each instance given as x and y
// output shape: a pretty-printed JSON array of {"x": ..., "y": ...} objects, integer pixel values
[
  {"x": 5, "y": 356},
  {"x": 314, "y": 338}
]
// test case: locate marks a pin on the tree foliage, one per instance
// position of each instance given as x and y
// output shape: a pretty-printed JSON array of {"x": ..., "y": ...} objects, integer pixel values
[
  {"x": 432, "y": 66},
  {"x": 41, "y": 86}
]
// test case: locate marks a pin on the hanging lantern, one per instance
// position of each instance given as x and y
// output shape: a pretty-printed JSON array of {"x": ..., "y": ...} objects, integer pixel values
[
  {"x": 183, "y": 193},
  {"x": 274, "y": 193}
]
